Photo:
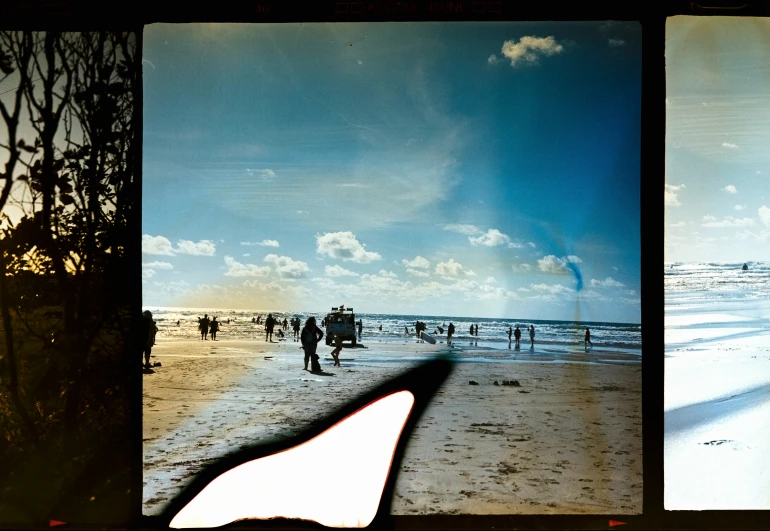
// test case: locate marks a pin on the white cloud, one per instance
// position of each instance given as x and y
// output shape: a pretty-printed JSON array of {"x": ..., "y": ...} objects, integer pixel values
[
  {"x": 418, "y": 262},
  {"x": 553, "y": 264},
  {"x": 265, "y": 173},
  {"x": 729, "y": 145},
  {"x": 608, "y": 282},
  {"x": 739, "y": 207},
  {"x": 553, "y": 289},
  {"x": 730, "y": 189},
  {"x": 490, "y": 280},
  {"x": 462, "y": 228},
  {"x": 417, "y": 273},
  {"x": 201, "y": 248},
  {"x": 492, "y": 238},
  {"x": 338, "y": 271},
  {"x": 263, "y": 243},
  {"x": 493, "y": 60},
  {"x": 286, "y": 267},
  {"x": 529, "y": 48},
  {"x": 671, "y": 198},
  {"x": 757, "y": 172},
  {"x": 237, "y": 269},
  {"x": 616, "y": 42},
  {"x": 521, "y": 268},
  {"x": 453, "y": 269},
  {"x": 156, "y": 245},
  {"x": 531, "y": 244},
  {"x": 677, "y": 224},
  {"x": 158, "y": 265},
  {"x": 388, "y": 274},
  {"x": 162, "y": 245},
  {"x": 729, "y": 221},
  {"x": 764, "y": 215},
  {"x": 345, "y": 246}
]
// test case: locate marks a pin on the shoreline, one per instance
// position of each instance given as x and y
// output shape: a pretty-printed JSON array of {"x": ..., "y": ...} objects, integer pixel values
[{"x": 566, "y": 441}]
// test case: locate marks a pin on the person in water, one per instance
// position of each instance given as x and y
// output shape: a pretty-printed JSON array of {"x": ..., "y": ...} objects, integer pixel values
[
  {"x": 296, "y": 328},
  {"x": 450, "y": 332},
  {"x": 213, "y": 329},
  {"x": 510, "y": 332},
  {"x": 588, "y": 339},
  {"x": 311, "y": 335},
  {"x": 517, "y": 336},
  {"x": 532, "y": 335},
  {"x": 360, "y": 328}
]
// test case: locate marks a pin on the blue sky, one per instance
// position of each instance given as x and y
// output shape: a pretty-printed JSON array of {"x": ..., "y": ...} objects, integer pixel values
[
  {"x": 432, "y": 168},
  {"x": 717, "y": 135}
]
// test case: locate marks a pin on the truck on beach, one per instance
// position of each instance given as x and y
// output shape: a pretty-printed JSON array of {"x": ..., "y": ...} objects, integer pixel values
[{"x": 340, "y": 322}]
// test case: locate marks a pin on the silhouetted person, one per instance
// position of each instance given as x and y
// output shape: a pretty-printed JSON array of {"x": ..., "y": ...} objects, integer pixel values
[
  {"x": 203, "y": 325},
  {"x": 476, "y": 332},
  {"x": 213, "y": 329},
  {"x": 285, "y": 324},
  {"x": 311, "y": 335},
  {"x": 253, "y": 320},
  {"x": 148, "y": 331},
  {"x": 380, "y": 328},
  {"x": 269, "y": 325},
  {"x": 337, "y": 351},
  {"x": 588, "y": 339},
  {"x": 177, "y": 323},
  {"x": 517, "y": 335},
  {"x": 471, "y": 330},
  {"x": 296, "y": 329},
  {"x": 510, "y": 332},
  {"x": 406, "y": 328},
  {"x": 360, "y": 328},
  {"x": 532, "y": 335},
  {"x": 745, "y": 267},
  {"x": 450, "y": 332}
]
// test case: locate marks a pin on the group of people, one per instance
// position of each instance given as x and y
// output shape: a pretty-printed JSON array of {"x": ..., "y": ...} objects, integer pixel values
[
  {"x": 517, "y": 335},
  {"x": 208, "y": 326}
]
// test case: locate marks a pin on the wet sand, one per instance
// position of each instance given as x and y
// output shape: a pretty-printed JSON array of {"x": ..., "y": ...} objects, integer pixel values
[{"x": 568, "y": 440}]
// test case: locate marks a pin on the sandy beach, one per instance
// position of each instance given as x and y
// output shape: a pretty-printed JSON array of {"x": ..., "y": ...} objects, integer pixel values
[
  {"x": 717, "y": 406},
  {"x": 568, "y": 440}
]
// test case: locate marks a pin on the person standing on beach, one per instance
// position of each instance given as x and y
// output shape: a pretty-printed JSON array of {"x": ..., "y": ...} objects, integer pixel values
[
  {"x": 360, "y": 328},
  {"x": 149, "y": 329},
  {"x": 269, "y": 324},
  {"x": 471, "y": 330},
  {"x": 588, "y": 339},
  {"x": 450, "y": 332},
  {"x": 517, "y": 335},
  {"x": 510, "y": 332},
  {"x": 476, "y": 332},
  {"x": 532, "y": 335},
  {"x": 296, "y": 329},
  {"x": 337, "y": 351},
  {"x": 213, "y": 329},
  {"x": 311, "y": 335},
  {"x": 203, "y": 325}
]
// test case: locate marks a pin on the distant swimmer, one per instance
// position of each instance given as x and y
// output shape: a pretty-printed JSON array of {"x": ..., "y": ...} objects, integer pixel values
[
  {"x": 380, "y": 328},
  {"x": 745, "y": 267},
  {"x": 406, "y": 328},
  {"x": 588, "y": 339},
  {"x": 177, "y": 323},
  {"x": 471, "y": 332},
  {"x": 476, "y": 332},
  {"x": 441, "y": 330},
  {"x": 510, "y": 332}
]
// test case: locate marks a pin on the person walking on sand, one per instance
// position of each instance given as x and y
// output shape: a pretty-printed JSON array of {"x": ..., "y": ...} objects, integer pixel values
[
  {"x": 269, "y": 324},
  {"x": 311, "y": 335},
  {"x": 213, "y": 329},
  {"x": 203, "y": 325},
  {"x": 532, "y": 335},
  {"x": 149, "y": 329},
  {"x": 337, "y": 351},
  {"x": 517, "y": 336},
  {"x": 588, "y": 339}
]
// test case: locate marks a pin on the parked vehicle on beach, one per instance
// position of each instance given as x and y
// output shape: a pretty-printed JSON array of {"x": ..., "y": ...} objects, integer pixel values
[{"x": 341, "y": 322}]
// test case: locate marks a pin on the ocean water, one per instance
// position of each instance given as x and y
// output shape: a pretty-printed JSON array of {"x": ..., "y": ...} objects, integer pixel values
[
  {"x": 493, "y": 333},
  {"x": 709, "y": 281}
]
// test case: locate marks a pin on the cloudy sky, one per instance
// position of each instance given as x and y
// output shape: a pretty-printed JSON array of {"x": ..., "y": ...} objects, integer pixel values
[
  {"x": 717, "y": 193},
  {"x": 469, "y": 169}
]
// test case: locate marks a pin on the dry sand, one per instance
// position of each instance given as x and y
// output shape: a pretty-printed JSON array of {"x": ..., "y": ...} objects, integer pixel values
[{"x": 567, "y": 441}]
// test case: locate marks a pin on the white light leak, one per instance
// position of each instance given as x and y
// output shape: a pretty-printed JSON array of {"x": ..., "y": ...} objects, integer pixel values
[{"x": 335, "y": 479}]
